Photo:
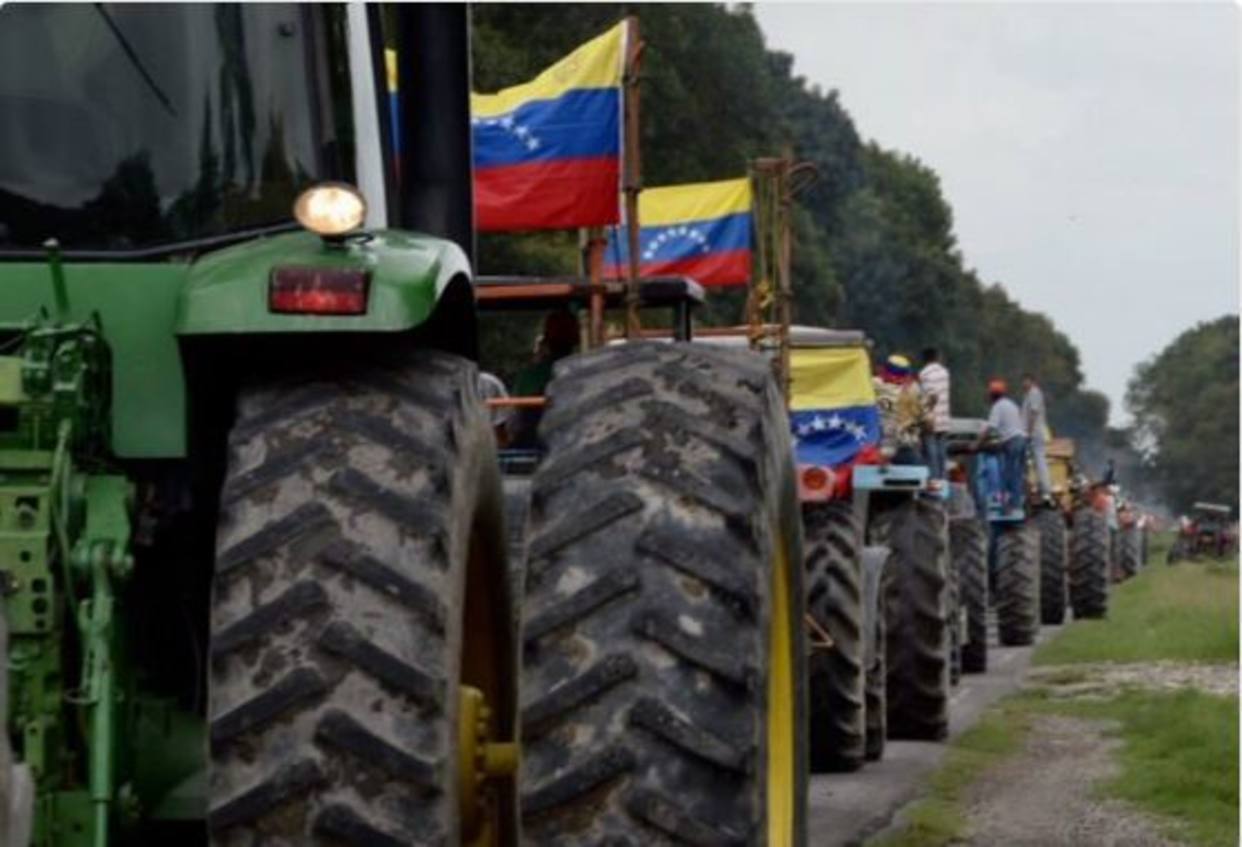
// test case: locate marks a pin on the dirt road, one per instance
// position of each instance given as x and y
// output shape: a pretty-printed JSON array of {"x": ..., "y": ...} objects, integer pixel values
[{"x": 845, "y": 809}]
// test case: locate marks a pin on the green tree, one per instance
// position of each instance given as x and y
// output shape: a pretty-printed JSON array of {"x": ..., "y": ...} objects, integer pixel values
[
  {"x": 1185, "y": 406},
  {"x": 874, "y": 242}
]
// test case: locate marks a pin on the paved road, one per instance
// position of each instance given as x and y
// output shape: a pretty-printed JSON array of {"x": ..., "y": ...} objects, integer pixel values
[{"x": 845, "y": 809}]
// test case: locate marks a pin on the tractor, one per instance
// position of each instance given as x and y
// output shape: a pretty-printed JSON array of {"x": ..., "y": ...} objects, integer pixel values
[
  {"x": 881, "y": 596},
  {"x": 1207, "y": 531},
  {"x": 254, "y": 559},
  {"x": 1012, "y": 542}
]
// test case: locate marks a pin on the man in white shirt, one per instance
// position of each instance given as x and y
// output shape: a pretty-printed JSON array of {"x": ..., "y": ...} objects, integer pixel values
[
  {"x": 1035, "y": 419},
  {"x": 934, "y": 380}
]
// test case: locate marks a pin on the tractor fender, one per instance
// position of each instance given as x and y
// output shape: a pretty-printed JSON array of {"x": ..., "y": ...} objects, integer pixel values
[
  {"x": 408, "y": 274},
  {"x": 873, "y": 559}
]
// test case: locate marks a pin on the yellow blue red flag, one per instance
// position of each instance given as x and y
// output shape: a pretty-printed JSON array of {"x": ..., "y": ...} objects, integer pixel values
[
  {"x": 701, "y": 230},
  {"x": 547, "y": 153},
  {"x": 833, "y": 414}
]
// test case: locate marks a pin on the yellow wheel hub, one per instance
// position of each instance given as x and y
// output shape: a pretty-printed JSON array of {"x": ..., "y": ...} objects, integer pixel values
[
  {"x": 781, "y": 779},
  {"x": 480, "y": 761}
]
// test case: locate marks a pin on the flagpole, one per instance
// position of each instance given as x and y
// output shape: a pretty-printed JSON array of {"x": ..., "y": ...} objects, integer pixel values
[
  {"x": 633, "y": 172},
  {"x": 595, "y": 243}
]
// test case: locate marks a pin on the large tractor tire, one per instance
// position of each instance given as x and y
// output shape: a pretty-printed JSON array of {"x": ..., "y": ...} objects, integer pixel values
[
  {"x": 361, "y": 619},
  {"x": 954, "y": 612},
  {"x": 1053, "y": 555},
  {"x": 876, "y": 683},
  {"x": 664, "y": 654},
  {"x": 1088, "y": 564},
  {"x": 1017, "y": 585},
  {"x": 917, "y": 638},
  {"x": 968, "y": 549},
  {"x": 834, "y": 600},
  {"x": 1129, "y": 551}
]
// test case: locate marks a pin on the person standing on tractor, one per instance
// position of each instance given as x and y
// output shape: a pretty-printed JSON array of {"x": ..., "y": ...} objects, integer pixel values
[
  {"x": 934, "y": 381},
  {"x": 1005, "y": 424},
  {"x": 1035, "y": 419},
  {"x": 902, "y": 410}
]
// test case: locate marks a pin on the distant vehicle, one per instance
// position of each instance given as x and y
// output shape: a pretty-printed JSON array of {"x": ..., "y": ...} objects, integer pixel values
[{"x": 1207, "y": 530}]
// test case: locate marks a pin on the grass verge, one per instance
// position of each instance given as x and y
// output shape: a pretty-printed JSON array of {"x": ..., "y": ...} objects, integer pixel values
[
  {"x": 1188, "y": 613},
  {"x": 937, "y": 818},
  {"x": 1179, "y": 754},
  {"x": 1179, "y": 758}
]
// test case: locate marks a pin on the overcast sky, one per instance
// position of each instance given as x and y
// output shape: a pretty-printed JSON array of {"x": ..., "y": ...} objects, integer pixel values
[{"x": 1089, "y": 151}]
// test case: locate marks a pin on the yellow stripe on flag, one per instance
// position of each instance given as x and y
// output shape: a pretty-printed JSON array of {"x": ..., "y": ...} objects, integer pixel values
[
  {"x": 830, "y": 378},
  {"x": 596, "y": 64},
  {"x": 390, "y": 64},
  {"x": 693, "y": 201}
]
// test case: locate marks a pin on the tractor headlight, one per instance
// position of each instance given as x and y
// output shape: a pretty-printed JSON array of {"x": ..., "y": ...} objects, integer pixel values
[{"x": 330, "y": 209}]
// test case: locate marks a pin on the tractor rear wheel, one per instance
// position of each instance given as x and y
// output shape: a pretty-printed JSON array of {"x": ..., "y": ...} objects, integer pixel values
[
  {"x": 362, "y": 641},
  {"x": 664, "y": 659},
  {"x": 877, "y": 681},
  {"x": 1088, "y": 564},
  {"x": 1017, "y": 581},
  {"x": 916, "y": 590},
  {"x": 1129, "y": 551},
  {"x": 968, "y": 546},
  {"x": 1053, "y": 553},
  {"x": 834, "y": 600}
]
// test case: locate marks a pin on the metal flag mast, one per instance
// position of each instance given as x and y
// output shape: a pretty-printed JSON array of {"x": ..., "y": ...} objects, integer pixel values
[{"x": 769, "y": 300}]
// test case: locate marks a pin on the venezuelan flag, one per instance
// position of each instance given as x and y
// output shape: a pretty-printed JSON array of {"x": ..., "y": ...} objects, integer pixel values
[
  {"x": 701, "y": 230},
  {"x": 547, "y": 153},
  {"x": 833, "y": 414}
]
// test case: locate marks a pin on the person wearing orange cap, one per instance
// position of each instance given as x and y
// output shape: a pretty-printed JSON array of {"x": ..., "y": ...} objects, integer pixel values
[{"x": 1005, "y": 425}]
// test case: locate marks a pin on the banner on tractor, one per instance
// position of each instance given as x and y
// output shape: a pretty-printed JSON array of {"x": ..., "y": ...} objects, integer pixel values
[
  {"x": 833, "y": 415},
  {"x": 701, "y": 230},
  {"x": 547, "y": 153}
]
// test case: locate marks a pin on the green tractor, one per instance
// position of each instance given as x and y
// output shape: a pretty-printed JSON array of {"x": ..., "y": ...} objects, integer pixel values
[{"x": 253, "y": 558}]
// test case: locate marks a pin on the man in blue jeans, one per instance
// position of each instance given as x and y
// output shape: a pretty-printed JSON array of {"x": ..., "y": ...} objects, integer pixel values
[{"x": 1005, "y": 423}]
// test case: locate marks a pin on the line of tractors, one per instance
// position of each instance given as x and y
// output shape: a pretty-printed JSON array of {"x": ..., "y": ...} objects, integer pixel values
[{"x": 266, "y": 577}]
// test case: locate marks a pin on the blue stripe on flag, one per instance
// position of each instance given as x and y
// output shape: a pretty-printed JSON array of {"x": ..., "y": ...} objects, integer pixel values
[
  {"x": 685, "y": 240},
  {"x": 833, "y": 437},
  {"x": 583, "y": 123}
]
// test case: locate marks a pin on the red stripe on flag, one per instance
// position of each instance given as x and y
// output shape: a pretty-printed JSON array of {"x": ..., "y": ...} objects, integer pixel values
[
  {"x": 562, "y": 194},
  {"x": 714, "y": 270}
]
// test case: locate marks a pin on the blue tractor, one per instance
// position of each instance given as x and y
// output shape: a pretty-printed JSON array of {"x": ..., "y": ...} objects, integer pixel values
[{"x": 981, "y": 517}]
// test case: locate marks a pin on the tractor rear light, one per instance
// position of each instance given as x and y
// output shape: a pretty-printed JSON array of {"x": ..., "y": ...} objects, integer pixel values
[
  {"x": 816, "y": 479},
  {"x": 318, "y": 291}
]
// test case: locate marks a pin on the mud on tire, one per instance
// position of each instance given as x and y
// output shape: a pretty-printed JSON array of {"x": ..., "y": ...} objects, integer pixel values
[
  {"x": 1088, "y": 564},
  {"x": 833, "y": 580},
  {"x": 656, "y": 522},
  {"x": 350, "y": 509},
  {"x": 1053, "y": 555},
  {"x": 917, "y": 637},
  {"x": 968, "y": 546}
]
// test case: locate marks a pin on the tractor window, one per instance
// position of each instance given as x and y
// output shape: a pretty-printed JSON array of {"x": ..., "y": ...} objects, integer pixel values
[{"x": 129, "y": 126}]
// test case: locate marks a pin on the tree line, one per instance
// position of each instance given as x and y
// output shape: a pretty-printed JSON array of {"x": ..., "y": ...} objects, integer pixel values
[{"x": 874, "y": 241}]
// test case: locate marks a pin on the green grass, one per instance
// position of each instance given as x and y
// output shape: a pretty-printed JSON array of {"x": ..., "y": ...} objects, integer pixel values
[
  {"x": 1179, "y": 759},
  {"x": 1179, "y": 754},
  {"x": 937, "y": 818},
  {"x": 1188, "y": 612}
]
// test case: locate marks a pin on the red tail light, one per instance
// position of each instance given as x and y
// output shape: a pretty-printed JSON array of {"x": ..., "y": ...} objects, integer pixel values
[
  {"x": 815, "y": 479},
  {"x": 318, "y": 291}
]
